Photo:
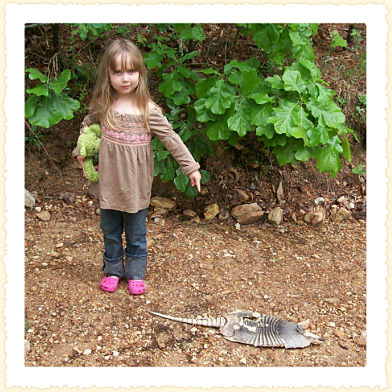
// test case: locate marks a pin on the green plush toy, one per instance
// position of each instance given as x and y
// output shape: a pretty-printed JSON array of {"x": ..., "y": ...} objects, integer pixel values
[{"x": 88, "y": 144}]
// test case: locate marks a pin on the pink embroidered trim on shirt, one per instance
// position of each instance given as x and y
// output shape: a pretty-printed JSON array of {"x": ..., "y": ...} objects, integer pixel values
[{"x": 141, "y": 138}]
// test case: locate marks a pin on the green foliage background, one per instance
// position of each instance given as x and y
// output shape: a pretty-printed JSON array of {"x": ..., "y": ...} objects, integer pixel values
[{"x": 277, "y": 96}]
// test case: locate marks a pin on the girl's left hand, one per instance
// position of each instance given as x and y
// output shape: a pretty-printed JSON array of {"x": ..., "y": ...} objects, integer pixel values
[{"x": 195, "y": 178}]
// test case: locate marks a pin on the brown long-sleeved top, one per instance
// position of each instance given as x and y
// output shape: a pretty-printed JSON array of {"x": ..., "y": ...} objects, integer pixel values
[{"x": 126, "y": 159}]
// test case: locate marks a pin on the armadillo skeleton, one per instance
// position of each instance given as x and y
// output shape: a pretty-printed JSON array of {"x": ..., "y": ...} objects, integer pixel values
[{"x": 255, "y": 329}]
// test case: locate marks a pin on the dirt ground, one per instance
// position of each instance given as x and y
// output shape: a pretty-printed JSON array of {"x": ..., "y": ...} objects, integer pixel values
[{"x": 297, "y": 272}]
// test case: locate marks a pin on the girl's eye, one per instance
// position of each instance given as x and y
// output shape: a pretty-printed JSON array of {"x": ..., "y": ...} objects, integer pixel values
[{"x": 131, "y": 71}]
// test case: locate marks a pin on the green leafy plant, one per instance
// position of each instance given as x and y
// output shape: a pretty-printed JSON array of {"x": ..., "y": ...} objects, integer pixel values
[
  {"x": 90, "y": 29},
  {"x": 337, "y": 40},
  {"x": 47, "y": 103},
  {"x": 178, "y": 87},
  {"x": 293, "y": 113},
  {"x": 359, "y": 170},
  {"x": 33, "y": 136}
]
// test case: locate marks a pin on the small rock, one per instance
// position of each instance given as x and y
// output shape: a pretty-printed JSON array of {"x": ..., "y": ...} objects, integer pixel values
[
  {"x": 319, "y": 200},
  {"x": 343, "y": 345},
  {"x": 159, "y": 211},
  {"x": 29, "y": 199},
  {"x": 38, "y": 209},
  {"x": 342, "y": 199},
  {"x": 115, "y": 353},
  {"x": 243, "y": 360},
  {"x": 196, "y": 219},
  {"x": 224, "y": 215},
  {"x": 247, "y": 213},
  {"x": 87, "y": 351},
  {"x": 60, "y": 245},
  {"x": 69, "y": 258},
  {"x": 332, "y": 301},
  {"x": 237, "y": 226},
  {"x": 241, "y": 195},
  {"x": 275, "y": 216},
  {"x": 315, "y": 216},
  {"x": 189, "y": 214},
  {"x": 360, "y": 342},
  {"x": 340, "y": 334},
  {"x": 162, "y": 202},
  {"x": 305, "y": 324},
  {"x": 211, "y": 211},
  {"x": 44, "y": 216},
  {"x": 341, "y": 215},
  {"x": 27, "y": 347}
]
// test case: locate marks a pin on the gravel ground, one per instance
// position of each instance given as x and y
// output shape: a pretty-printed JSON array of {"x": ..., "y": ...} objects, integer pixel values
[{"x": 295, "y": 272}]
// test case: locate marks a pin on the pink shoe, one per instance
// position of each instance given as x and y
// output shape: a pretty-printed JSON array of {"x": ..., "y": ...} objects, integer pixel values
[
  {"x": 136, "y": 286},
  {"x": 109, "y": 283}
]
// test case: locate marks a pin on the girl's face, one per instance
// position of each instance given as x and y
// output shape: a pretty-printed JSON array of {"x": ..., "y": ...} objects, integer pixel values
[{"x": 123, "y": 78}]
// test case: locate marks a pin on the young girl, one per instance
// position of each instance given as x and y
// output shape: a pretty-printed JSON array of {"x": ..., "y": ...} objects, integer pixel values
[{"x": 129, "y": 118}]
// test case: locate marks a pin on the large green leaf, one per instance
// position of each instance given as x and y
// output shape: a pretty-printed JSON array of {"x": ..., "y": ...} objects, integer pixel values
[
  {"x": 218, "y": 130},
  {"x": 275, "y": 82},
  {"x": 328, "y": 157},
  {"x": 293, "y": 81},
  {"x": 202, "y": 113},
  {"x": 240, "y": 121},
  {"x": 59, "y": 85},
  {"x": 317, "y": 135},
  {"x": 204, "y": 85},
  {"x": 220, "y": 97},
  {"x": 286, "y": 154},
  {"x": 170, "y": 84},
  {"x": 30, "y": 105},
  {"x": 328, "y": 113},
  {"x": 40, "y": 90},
  {"x": 153, "y": 60},
  {"x": 259, "y": 114},
  {"x": 53, "y": 109},
  {"x": 35, "y": 74},
  {"x": 282, "y": 118}
]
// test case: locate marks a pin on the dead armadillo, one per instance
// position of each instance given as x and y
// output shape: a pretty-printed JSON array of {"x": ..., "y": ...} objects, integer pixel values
[{"x": 255, "y": 329}]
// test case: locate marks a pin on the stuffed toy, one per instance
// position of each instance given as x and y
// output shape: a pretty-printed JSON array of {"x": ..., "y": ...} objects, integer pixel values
[{"x": 88, "y": 144}]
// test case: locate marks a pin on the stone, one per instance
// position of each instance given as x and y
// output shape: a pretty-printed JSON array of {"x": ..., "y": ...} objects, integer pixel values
[
  {"x": 211, "y": 211},
  {"x": 247, "y": 213},
  {"x": 159, "y": 211},
  {"x": 315, "y": 216},
  {"x": 319, "y": 200},
  {"x": 340, "y": 334},
  {"x": 341, "y": 215},
  {"x": 241, "y": 195},
  {"x": 276, "y": 216},
  {"x": 27, "y": 347},
  {"x": 29, "y": 199},
  {"x": 44, "y": 216},
  {"x": 189, "y": 214},
  {"x": 162, "y": 202}
]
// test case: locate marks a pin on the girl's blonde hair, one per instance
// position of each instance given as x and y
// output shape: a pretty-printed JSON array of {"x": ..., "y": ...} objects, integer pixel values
[{"x": 103, "y": 95}]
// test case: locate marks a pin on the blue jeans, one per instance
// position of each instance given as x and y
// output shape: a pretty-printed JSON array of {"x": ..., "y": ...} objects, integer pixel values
[{"x": 113, "y": 223}]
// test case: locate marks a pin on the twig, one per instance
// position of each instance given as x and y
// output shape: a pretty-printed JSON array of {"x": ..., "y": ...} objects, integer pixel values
[{"x": 43, "y": 147}]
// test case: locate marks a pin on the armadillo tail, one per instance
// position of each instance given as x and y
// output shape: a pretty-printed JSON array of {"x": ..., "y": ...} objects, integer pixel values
[{"x": 216, "y": 322}]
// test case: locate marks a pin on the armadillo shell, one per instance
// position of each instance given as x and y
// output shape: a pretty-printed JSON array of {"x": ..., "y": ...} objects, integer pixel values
[
  {"x": 256, "y": 332},
  {"x": 292, "y": 334}
]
